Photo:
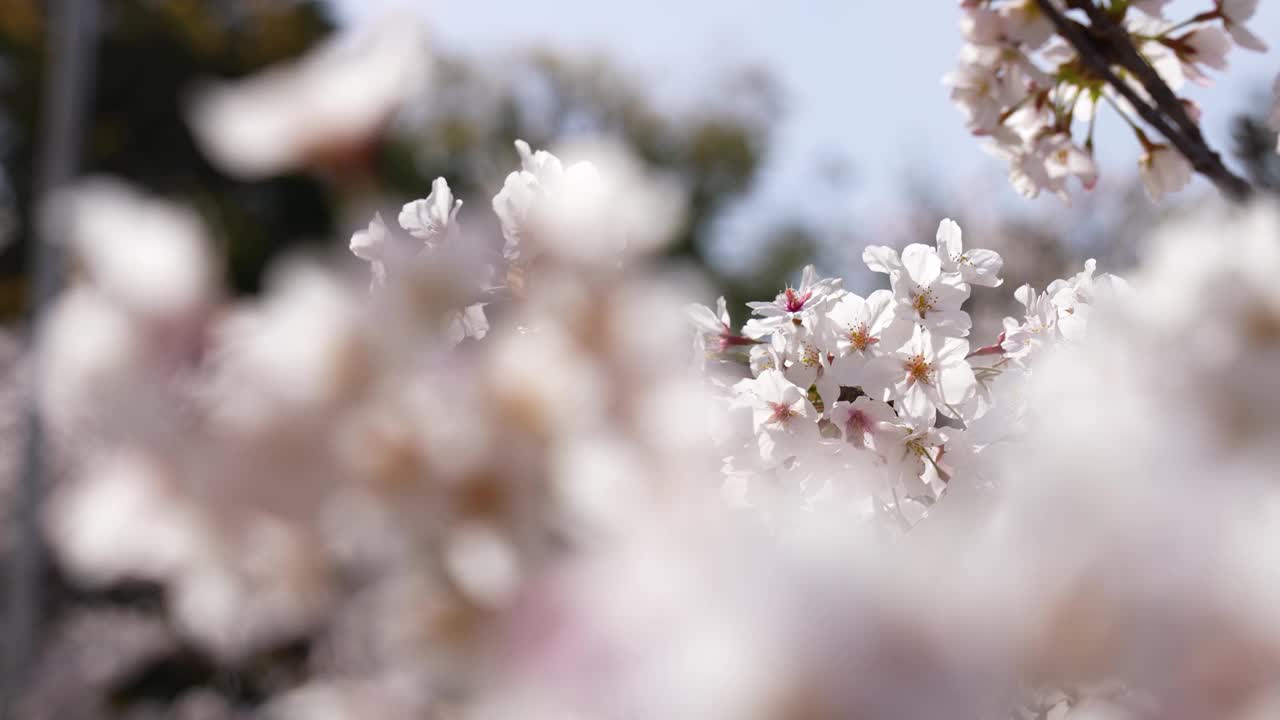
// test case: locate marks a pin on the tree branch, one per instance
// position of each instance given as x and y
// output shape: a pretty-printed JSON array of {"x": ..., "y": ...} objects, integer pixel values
[{"x": 1106, "y": 44}]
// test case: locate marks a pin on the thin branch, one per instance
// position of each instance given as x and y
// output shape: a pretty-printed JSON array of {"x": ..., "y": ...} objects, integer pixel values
[
  {"x": 1158, "y": 89},
  {"x": 1107, "y": 44}
]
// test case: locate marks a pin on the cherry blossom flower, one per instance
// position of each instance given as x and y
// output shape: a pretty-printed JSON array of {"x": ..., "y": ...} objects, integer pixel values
[
  {"x": 1071, "y": 300},
  {"x": 982, "y": 94},
  {"x": 981, "y": 25},
  {"x": 1208, "y": 45},
  {"x": 862, "y": 421},
  {"x": 865, "y": 332},
  {"x": 781, "y": 414},
  {"x": 434, "y": 219},
  {"x": 1064, "y": 159},
  {"x": 377, "y": 245},
  {"x": 1025, "y": 23},
  {"x": 802, "y": 355},
  {"x": 979, "y": 267},
  {"x": 931, "y": 376},
  {"x": 928, "y": 296},
  {"x": 715, "y": 335},
  {"x": 905, "y": 449},
  {"x": 1037, "y": 327},
  {"x": 590, "y": 212},
  {"x": 520, "y": 193},
  {"x": 801, "y": 307}
]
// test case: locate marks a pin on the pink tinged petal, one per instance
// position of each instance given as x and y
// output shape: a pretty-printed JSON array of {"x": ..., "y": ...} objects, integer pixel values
[
  {"x": 996, "y": 348},
  {"x": 1245, "y": 38},
  {"x": 922, "y": 263}
]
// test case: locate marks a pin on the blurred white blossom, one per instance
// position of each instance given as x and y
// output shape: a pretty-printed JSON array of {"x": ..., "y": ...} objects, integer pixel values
[{"x": 332, "y": 101}]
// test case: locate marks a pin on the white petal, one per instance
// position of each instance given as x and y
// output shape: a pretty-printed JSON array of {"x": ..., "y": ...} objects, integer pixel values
[
  {"x": 881, "y": 259},
  {"x": 983, "y": 268},
  {"x": 921, "y": 263},
  {"x": 950, "y": 243}
]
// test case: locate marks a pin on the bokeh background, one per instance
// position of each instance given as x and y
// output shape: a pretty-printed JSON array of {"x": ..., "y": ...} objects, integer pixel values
[{"x": 802, "y": 132}]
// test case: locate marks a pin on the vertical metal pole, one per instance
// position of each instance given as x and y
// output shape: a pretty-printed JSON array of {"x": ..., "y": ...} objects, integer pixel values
[{"x": 70, "y": 45}]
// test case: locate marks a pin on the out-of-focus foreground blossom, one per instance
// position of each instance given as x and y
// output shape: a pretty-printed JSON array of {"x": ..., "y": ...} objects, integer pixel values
[{"x": 328, "y": 104}]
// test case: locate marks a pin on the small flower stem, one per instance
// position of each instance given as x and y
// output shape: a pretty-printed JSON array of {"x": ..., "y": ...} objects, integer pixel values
[
  {"x": 1205, "y": 16},
  {"x": 1133, "y": 125}
]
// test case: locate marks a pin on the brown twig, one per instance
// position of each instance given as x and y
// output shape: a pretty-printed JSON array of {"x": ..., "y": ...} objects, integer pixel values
[{"x": 1105, "y": 44}]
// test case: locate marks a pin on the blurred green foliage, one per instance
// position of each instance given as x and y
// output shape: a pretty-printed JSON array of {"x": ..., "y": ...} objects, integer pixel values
[
  {"x": 149, "y": 55},
  {"x": 154, "y": 52}
]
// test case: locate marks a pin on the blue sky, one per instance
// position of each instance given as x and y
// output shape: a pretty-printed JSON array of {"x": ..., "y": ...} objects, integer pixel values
[{"x": 861, "y": 80}]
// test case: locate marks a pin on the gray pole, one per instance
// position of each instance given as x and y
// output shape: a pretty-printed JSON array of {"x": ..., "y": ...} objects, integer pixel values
[{"x": 70, "y": 46}]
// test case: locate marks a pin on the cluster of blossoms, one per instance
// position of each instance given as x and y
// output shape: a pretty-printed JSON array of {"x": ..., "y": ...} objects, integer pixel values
[
  {"x": 1025, "y": 87},
  {"x": 845, "y": 392}
]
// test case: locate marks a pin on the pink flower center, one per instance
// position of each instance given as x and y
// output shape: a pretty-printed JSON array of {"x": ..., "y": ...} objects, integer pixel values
[
  {"x": 918, "y": 370},
  {"x": 728, "y": 339},
  {"x": 795, "y": 303},
  {"x": 857, "y": 427},
  {"x": 781, "y": 412},
  {"x": 861, "y": 339}
]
